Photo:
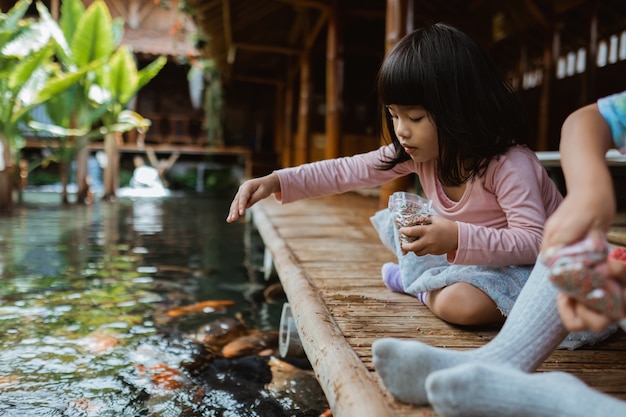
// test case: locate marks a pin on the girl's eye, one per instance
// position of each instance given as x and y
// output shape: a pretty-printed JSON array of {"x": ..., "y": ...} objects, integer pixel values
[{"x": 416, "y": 119}]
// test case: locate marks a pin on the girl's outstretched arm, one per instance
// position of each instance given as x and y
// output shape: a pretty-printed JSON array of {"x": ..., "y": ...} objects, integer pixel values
[{"x": 251, "y": 192}]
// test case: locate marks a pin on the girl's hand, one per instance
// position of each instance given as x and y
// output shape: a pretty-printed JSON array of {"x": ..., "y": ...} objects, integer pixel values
[
  {"x": 579, "y": 216},
  {"x": 251, "y": 192},
  {"x": 577, "y": 316},
  {"x": 437, "y": 238}
]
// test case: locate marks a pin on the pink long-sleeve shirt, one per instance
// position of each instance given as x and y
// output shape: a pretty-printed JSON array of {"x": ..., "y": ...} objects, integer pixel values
[{"x": 500, "y": 216}]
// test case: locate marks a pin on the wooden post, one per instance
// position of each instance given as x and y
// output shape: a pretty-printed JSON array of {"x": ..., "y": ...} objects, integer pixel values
[
  {"x": 111, "y": 170},
  {"x": 591, "y": 71},
  {"x": 301, "y": 151},
  {"x": 550, "y": 50},
  {"x": 54, "y": 9},
  {"x": 522, "y": 64},
  {"x": 287, "y": 154},
  {"x": 334, "y": 84},
  {"x": 279, "y": 118},
  {"x": 82, "y": 161},
  {"x": 399, "y": 23},
  {"x": 6, "y": 176}
]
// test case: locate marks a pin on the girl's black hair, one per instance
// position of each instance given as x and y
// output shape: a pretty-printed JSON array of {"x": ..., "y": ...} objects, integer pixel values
[{"x": 475, "y": 110}]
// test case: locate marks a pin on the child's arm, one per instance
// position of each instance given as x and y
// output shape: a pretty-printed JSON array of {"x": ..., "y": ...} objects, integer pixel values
[
  {"x": 315, "y": 179},
  {"x": 251, "y": 192},
  {"x": 590, "y": 201},
  {"x": 589, "y": 206}
]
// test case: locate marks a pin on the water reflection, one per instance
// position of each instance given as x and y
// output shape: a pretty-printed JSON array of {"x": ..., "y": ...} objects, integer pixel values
[
  {"x": 84, "y": 293},
  {"x": 147, "y": 215}
]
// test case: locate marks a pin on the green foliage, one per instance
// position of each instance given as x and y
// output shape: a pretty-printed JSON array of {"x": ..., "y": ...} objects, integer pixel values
[
  {"x": 125, "y": 177},
  {"x": 87, "y": 43},
  {"x": 71, "y": 12},
  {"x": 75, "y": 67},
  {"x": 184, "y": 181},
  {"x": 43, "y": 176},
  {"x": 93, "y": 38},
  {"x": 93, "y": 41},
  {"x": 30, "y": 73},
  {"x": 220, "y": 180}
]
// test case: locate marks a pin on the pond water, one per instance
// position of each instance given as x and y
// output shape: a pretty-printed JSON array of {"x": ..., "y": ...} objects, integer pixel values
[{"x": 86, "y": 301}]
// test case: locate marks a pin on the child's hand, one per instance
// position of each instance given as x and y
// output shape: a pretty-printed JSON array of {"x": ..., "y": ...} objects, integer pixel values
[
  {"x": 250, "y": 192},
  {"x": 437, "y": 238},
  {"x": 576, "y": 315},
  {"x": 580, "y": 216}
]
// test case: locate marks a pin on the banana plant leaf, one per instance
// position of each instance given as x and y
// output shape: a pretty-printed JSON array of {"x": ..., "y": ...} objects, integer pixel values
[{"x": 94, "y": 36}]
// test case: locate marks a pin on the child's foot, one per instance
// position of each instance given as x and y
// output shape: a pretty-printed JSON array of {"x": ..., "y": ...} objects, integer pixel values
[
  {"x": 404, "y": 365},
  {"x": 391, "y": 277},
  {"x": 475, "y": 389}
]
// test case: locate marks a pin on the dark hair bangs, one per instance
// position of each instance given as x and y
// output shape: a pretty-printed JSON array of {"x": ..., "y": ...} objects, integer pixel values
[{"x": 401, "y": 79}]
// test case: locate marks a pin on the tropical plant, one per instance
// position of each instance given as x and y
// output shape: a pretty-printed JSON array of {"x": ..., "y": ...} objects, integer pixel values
[
  {"x": 95, "y": 107},
  {"x": 29, "y": 76}
]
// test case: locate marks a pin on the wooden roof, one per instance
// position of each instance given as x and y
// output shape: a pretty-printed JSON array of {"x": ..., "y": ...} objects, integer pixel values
[{"x": 255, "y": 39}]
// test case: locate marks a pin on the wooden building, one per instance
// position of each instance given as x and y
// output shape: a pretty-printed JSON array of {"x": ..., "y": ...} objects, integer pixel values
[{"x": 299, "y": 74}]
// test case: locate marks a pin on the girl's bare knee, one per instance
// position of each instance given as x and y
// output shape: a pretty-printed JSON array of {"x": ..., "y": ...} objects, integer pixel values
[{"x": 462, "y": 303}]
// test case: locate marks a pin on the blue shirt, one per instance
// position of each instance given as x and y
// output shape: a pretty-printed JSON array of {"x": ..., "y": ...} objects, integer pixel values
[{"x": 613, "y": 109}]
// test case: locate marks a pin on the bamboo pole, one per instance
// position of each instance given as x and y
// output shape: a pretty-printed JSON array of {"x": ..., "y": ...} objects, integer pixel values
[
  {"x": 334, "y": 84},
  {"x": 591, "y": 72},
  {"x": 350, "y": 388},
  {"x": 287, "y": 148},
  {"x": 399, "y": 22},
  {"x": 6, "y": 176},
  {"x": 301, "y": 151},
  {"x": 279, "y": 118},
  {"x": 550, "y": 50}
]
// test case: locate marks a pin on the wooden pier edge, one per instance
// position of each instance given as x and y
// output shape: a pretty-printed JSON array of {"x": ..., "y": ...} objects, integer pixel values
[{"x": 348, "y": 385}]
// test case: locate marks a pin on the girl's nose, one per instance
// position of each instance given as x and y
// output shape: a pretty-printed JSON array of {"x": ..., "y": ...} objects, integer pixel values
[{"x": 402, "y": 132}]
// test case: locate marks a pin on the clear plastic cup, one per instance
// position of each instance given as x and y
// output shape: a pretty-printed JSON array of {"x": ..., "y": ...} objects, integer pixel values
[{"x": 409, "y": 210}]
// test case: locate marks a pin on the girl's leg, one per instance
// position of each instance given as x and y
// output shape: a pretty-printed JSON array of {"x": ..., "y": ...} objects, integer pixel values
[
  {"x": 531, "y": 332},
  {"x": 464, "y": 304},
  {"x": 488, "y": 390}
]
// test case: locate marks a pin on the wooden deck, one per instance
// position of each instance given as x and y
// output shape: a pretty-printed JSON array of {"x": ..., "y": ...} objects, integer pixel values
[
  {"x": 242, "y": 154},
  {"x": 328, "y": 257}
]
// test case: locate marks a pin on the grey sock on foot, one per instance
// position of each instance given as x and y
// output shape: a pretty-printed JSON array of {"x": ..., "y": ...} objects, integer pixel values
[
  {"x": 481, "y": 390},
  {"x": 403, "y": 365}
]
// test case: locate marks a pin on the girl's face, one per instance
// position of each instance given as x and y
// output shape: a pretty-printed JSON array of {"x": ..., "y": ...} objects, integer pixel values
[{"x": 415, "y": 131}]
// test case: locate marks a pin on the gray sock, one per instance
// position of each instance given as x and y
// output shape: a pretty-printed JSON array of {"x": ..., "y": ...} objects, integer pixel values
[
  {"x": 529, "y": 335},
  {"x": 483, "y": 390}
]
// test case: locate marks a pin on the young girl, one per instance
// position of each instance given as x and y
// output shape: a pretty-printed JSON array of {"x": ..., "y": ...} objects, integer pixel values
[{"x": 455, "y": 122}]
